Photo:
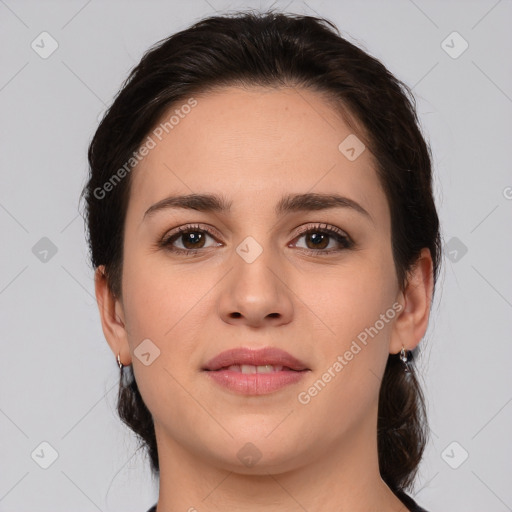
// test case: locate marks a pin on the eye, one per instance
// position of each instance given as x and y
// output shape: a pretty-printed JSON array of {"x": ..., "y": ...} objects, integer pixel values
[
  {"x": 318, "y": 238},
  {"x": 191, "y": 237}
]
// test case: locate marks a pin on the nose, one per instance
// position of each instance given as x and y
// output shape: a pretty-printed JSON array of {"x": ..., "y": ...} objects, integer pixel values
[{"x": 256, "y": 293}]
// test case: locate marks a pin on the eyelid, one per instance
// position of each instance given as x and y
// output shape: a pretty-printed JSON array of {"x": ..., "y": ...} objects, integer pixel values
[
  {"x": 310, "y": 227},
  {"x": 211, "y": 231},
  {"x": 323, "y": 226},
  {"x": 191, "y": 227}
]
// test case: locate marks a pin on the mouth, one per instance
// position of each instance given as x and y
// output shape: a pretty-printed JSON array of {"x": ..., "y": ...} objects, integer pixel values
[
  {"x": 249, "y": 369},
  {"x": 255, "y": 372},
  {"x": 249, "y": 361}
]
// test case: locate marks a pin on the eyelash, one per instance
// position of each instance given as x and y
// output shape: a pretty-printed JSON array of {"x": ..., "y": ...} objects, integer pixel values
[{"x": 342, "y": 238}]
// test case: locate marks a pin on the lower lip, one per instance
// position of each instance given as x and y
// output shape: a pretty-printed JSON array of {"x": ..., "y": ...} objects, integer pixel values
[{"x": 256, "y": 383}]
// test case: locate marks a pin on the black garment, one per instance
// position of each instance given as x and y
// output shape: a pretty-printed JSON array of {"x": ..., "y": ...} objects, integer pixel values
[
  {"x": 407, "y": 501},
  {"x": 404, "y": 498}
]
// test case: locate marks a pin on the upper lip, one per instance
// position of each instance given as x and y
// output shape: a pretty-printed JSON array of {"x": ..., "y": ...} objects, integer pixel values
[{"x": 257, "y": 357}]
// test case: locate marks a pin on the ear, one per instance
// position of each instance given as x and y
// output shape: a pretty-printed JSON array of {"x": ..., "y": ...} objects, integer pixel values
[
  {"x": 412, "y": 322},
  {"x": 112, "y": 317}
]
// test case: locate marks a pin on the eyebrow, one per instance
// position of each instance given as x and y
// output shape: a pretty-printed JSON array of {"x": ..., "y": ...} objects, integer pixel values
[{"x": 287, "y": 204}]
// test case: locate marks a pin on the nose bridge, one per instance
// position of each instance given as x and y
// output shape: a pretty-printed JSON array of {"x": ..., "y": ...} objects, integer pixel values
[
  {"x": 256, "y": 262},
  {"x": 256, "y": 238}
]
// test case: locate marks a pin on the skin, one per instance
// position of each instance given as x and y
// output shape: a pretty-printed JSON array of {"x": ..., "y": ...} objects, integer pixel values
[{"x": 255, "y": 145}]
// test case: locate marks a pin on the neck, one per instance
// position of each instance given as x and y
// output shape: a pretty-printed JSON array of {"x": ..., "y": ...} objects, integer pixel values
[{"x": 344, "y": 478}]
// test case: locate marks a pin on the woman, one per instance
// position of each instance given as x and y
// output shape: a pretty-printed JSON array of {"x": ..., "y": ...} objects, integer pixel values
[{"x": 266, "y": 245}]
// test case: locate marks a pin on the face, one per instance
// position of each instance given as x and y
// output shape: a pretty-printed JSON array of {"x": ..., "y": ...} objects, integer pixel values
[{"x": 319, "y": 283}]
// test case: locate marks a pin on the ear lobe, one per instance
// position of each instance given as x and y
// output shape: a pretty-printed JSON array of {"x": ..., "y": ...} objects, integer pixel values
[
  {"x": 412, "y": 323},
  {"x": 112, "y": 316}
]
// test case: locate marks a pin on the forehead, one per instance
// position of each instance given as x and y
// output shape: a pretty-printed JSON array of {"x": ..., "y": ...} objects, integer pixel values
[{"x": 253, "y": 142}]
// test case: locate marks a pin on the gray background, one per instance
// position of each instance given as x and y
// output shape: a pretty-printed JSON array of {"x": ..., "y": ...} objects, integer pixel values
[{"x": 58, "y": 376}]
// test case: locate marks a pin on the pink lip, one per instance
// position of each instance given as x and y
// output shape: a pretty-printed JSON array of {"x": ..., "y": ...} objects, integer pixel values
[
  {"x": 259, "y": 357},
  {"x": 256, "y": 383}
]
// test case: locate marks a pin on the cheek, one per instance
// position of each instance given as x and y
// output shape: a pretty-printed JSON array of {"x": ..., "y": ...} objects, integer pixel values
[
  {"x": 167, "y": 305},
  {"x": 352, "y": 298},
  {"x": 164, "y": 306},
  {"x": 354, "y": 349},
  {"x": 356, "y": 304},
  {"x": 156, "y": 294}
]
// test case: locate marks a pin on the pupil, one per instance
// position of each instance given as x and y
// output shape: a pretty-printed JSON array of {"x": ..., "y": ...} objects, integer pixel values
[
  {"x": 318, "y": 238},
  {"x": 192, "y": 238}
]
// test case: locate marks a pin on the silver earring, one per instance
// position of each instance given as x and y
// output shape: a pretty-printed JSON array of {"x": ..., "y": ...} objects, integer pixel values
[
  {"x": 404, "y": 356},
  {"x": 119, "y": 362}
]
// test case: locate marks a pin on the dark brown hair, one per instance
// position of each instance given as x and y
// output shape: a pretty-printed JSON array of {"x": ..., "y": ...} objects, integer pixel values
[{"x": 275, "y": 50}]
